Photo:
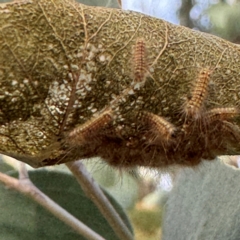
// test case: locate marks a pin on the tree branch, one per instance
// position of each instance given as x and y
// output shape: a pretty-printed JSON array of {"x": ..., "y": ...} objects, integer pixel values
[
  {"x": 93, "y": 191},
  {"x": 63, "y": 64},
  {"x": 25, "y": 186}
]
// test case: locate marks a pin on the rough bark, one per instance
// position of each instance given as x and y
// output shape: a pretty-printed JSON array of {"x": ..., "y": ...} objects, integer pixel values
[{"x": 61, "y": 63}]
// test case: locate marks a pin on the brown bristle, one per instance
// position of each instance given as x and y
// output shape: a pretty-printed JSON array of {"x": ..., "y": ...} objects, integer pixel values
[
  {"x": 90, "y": 129},
  {"x": 161, "y": 127},
  {"x": 220, "y": 114},
  {"x": 193, "y": 106},
  {"x": 140, "y": 61},
  {"x": 232, "y": 129}
]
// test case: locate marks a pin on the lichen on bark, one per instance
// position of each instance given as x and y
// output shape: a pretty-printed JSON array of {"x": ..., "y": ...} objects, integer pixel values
[{"x": 62, "y": 63}]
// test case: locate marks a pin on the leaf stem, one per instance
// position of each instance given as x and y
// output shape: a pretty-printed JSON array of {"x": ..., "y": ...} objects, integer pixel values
[
  {"x": 94, "y": 192},
  {"x": 25, "y": 186}
]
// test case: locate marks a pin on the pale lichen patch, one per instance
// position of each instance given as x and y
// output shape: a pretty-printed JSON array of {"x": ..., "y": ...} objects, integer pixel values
[{"x": 14, "y": 82}]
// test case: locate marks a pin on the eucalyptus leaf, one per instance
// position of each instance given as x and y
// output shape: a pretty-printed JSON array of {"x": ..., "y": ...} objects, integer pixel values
[
  {"x": 4, "y": 167},
  {"x": 23, "y": 219}
]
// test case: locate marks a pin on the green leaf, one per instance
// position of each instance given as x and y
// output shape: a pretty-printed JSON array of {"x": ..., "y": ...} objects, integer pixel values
[
  {"x": 6, "y": 168},
  {"x": 23, "y": 219}
]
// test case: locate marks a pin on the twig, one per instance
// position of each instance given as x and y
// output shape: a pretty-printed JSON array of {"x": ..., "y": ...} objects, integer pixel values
[
  {"x": 22, "y": 172},
  {"x": 120, "y": 3},
  {"x": 25, "y": 186},
  {"x": 94, "y": 192}
]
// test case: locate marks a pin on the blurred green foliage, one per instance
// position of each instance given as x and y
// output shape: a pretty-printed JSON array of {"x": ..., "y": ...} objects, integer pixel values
[
  {"x": 119, "y": 184},
  {"x": 225, "y": 20},
  {"x": 23, "y": 219},
  {"x": 219, "y": 17}
]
